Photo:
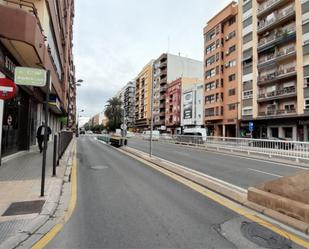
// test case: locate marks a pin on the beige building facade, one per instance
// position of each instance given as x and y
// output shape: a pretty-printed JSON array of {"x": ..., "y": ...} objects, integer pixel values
[
  {"x": 273, "y": 91},
  {"x": 143, "y": 93}
]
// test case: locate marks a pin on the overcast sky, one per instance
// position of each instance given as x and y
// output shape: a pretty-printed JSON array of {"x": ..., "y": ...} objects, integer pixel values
[{"x": 114, "y": 39}]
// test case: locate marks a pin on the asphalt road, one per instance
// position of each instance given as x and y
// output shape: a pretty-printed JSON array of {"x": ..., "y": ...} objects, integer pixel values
[
  {"x": 122, "y": 203},
  {"x": 236, "y": 170}
]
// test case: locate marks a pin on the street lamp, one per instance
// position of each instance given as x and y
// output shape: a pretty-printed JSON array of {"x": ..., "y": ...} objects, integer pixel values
[{"x": 76, "y": 83}]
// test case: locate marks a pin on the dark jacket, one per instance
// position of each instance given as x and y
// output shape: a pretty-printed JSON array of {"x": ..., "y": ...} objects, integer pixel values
[{"x": 38, "y": 133}]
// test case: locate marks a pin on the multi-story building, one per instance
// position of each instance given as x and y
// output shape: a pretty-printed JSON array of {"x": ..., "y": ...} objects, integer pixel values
[
  {"x": 143, "y": 91},
  {"x": 220, "y": 77},
  {"x": 275, "y": 67},
  {"x": 129, "y": 104},
  {"x": 192, "y": 103},
  {"x": 172, "y": 106},
  {"x": 168, "y": 68},
  {"x": 36, "y": 34}
]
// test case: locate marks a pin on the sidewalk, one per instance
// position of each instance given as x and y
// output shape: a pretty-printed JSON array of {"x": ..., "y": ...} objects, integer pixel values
[{"x": 20, "y": 180}]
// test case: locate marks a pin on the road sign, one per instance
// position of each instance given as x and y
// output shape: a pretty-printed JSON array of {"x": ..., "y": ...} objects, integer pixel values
[
  {"x": 251, "y": 126},
  {"x": 7, "y": 89},
  {"x": 30, "y": 76}
]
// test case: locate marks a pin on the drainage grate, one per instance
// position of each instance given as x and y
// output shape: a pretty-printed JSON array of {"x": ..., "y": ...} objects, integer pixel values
[
  {"x": 24, "y": 207},
  {"x": 264, "y": 237}
]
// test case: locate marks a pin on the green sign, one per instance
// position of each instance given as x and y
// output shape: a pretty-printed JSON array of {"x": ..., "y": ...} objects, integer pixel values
[{"x": 30, "y": 76}]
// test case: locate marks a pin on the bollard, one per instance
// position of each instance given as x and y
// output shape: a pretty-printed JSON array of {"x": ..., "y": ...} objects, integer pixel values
[{"x": 55, "y": 154}]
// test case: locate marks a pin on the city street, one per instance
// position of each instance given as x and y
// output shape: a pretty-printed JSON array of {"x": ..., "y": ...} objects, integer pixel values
[
  {"x": 123, "y": 203},
  {"x": 236, "y": 170}
]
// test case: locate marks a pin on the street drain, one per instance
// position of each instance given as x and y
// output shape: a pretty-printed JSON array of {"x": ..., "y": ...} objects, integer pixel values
[
  {"x": 98, "y": 167},
  {"x": 264, "y": 237},
  {"x": 24, "y": 207}
]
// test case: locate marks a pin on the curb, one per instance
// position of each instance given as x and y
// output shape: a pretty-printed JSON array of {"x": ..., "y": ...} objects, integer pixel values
[
  {"x": 230, "y": 191},
  {"x": 49, "y": 209}
]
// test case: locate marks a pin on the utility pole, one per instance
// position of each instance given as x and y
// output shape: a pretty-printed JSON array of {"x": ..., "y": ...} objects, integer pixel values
[{"x": 151, "y": 121}]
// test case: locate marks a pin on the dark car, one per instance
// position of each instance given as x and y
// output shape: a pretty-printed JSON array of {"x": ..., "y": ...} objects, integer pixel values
[{"x": 273, "y": 143}]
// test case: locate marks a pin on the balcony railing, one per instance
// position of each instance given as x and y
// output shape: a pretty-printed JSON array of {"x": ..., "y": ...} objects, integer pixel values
[
  {"x": 267, "y": 4},
  {"x": 276, "y": 55},
  {"x": 278, "y": 74},
  {"x": 277, "y": 17},
  {"x": 277, "y": 93},
  {"x": 273, "y": 112},
  {"x": 276, "y": 37}
]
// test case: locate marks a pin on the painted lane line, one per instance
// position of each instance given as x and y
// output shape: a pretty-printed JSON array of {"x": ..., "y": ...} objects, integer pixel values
[{"x": 263, "y": 172}]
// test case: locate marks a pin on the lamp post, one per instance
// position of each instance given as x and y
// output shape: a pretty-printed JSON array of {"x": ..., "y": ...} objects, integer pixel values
[
  {"x": 76, "y": 83},
  {"x": 77, "y": 121}
]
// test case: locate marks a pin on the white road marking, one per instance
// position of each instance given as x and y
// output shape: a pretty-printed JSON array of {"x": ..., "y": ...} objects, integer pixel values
[{"x": 263, "y": 172}]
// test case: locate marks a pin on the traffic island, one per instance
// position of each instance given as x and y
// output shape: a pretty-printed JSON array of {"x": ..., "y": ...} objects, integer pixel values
[{"x": 286, "y": 197}]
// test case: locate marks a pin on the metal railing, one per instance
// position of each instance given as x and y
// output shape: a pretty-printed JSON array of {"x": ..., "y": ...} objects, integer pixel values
[{"x": 270, "y": 147}]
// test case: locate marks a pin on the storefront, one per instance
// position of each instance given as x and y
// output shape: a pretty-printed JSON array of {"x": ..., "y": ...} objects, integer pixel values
[{"x": 18, "y": 116}]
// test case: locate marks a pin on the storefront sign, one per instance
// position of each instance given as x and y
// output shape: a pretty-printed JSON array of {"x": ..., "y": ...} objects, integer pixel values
[
  {"x": 7, "y": 89},
  {"x": 30, "y": 76},
  {"x": 187, "y": 105}
]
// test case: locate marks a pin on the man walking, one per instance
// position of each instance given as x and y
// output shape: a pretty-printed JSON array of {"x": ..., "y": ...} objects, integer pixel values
[{"x": 40, "y": 135}]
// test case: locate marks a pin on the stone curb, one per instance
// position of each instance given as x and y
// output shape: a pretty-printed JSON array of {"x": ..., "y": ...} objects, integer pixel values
[
  {"x": 226, "y": 190},
  {"x": 49, "y": 208}
]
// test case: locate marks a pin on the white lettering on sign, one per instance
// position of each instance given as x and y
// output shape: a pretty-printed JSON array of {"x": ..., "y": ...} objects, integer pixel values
[{"x": 6, "y": 89}]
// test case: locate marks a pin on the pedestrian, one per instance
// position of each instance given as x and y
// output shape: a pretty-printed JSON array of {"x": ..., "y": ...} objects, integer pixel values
[{"x": 40, "y": 135}]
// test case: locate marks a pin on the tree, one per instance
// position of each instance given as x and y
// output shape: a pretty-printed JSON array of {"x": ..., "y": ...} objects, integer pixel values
[{"x": 113, "y": 112}]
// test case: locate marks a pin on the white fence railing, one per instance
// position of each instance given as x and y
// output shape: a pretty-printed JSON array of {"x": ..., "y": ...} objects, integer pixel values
[{"x": 270, "y": 147}]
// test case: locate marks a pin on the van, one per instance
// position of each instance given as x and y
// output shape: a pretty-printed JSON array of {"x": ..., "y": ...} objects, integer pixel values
[
  {"x": 200, "y": 132},
  {"x": 155, "y": 135}
]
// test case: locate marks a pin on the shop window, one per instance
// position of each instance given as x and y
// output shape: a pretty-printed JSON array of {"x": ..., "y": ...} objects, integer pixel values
[{"x": 288, "y": 132}]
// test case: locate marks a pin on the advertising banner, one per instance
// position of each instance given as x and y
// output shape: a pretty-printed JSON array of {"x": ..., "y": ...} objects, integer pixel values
[{"x": 188, "y": 105}]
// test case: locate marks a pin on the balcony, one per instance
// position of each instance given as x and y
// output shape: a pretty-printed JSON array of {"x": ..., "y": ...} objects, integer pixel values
[
  {"x": 276, "y": 112},
  {"x": 275, "y": 39},
  {"x": 277, "y": 56},
  {"x": 279, "y": 74},
  {"x": 163, "y": 64},
  {"x": 279, "y": 18},
  {"x": 269, "y": 6},
  {"x": 278, "y": 94},
  {"x": 163, "y": 72}
]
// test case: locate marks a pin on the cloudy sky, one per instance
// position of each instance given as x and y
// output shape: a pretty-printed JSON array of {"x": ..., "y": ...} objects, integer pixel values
[{"x": 114, "y": 39}]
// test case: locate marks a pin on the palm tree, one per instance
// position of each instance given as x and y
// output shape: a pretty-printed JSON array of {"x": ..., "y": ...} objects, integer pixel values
[{"x": 113, "y": 112}]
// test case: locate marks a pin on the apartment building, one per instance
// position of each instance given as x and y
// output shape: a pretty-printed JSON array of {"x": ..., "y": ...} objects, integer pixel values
[
  {"x": 143, "y": 91},
  {"x": 220, "y": 72},
  {"x": 275, "y": 67},
  {"x": 44, "y": 42},
  {"x": 129, "y": 104},
  {"x": 167, "y": 68},
  {"x": 192, "y": 103},
  {"x": 173, "y": 106}
]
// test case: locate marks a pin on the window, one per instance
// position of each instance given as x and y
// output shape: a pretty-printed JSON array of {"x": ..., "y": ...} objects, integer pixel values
[
  {"x": 231, "y": 63},
  {"x": 210, "y": 48},
  {"x": 247, "y": 22},
  {"x": 210, "y": 99},
  {"x": 210, "y": 73},
  {"x": 230, "y": 35},
  {"x": 288, "y": 132},
  {"x": 247, "y": 94},
  {"x": 209, "y": 112},
  {"x": 232, "y": 92},
  {"x": 289, "y": 107},
  {"x": 246, "y": 111},
  {"x": 232, "y": 20},
  {"x": 210, "y": 86},
  {"x": 232, "y": 77},
  {"x": 210, "y": 60},
  {"x": 306, "y": 83},
  {"x": 307, "y": 103},
  {"x": 232, "y": 107},
  {"x": 231, "y": 49}
]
